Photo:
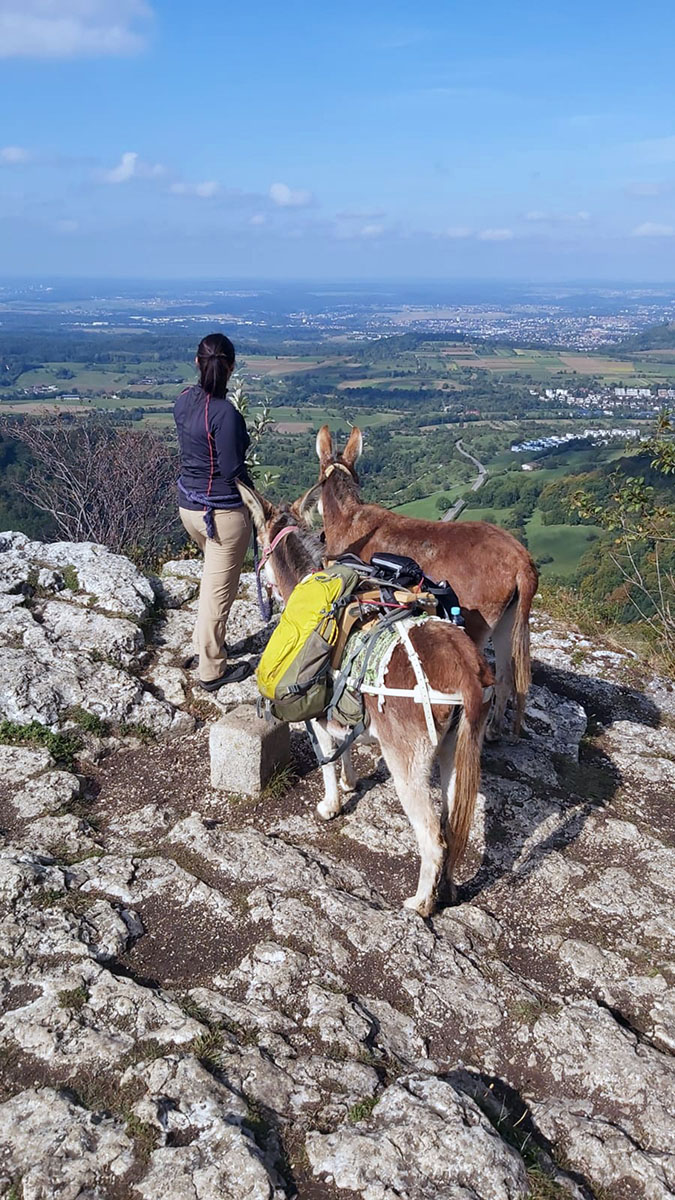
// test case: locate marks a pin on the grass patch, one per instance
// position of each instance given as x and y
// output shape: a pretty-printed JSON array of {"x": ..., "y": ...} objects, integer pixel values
[
  {"x": 542, "y": 1187},
  {"x": 137, "y": 730},
  {"x": 208, "y": 1048},
  {"x": 282, "y": 779},
  {"x": 74, "y": 902},
  {"x": 145, "y": 1050},
  {"x": 362, "y": 1109},
  {"x": 88, "y": 721},
  {"x": 63, "y": 747},
  {"x": 74, "y": 999},
  {"x": 194, "y": 1010},
  {"x": 529, "y": 1011},
  {"x": 71, "y": 578},
  {"x": 144, "y": 1136}
]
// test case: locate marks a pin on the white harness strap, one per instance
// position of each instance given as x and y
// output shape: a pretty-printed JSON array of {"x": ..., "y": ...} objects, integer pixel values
[
  {"x": 422, "y": 682},
  {"x": 422, "y": 693}
]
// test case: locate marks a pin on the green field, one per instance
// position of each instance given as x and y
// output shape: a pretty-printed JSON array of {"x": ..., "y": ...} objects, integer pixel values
[
  {"x": 427, "y": 508},
  {"x": 564, "y": 543}
]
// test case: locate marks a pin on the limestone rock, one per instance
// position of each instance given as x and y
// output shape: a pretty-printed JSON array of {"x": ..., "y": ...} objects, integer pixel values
[
  {"x": 57, "y": 1148},
  {"x": 117, "y": 585},
  {"x": 423, "y": 1141},
  {"x": 226, "y": 980}
]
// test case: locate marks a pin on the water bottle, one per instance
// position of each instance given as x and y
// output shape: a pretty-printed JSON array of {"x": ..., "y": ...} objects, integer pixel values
[{"x": 456, "y": 617}]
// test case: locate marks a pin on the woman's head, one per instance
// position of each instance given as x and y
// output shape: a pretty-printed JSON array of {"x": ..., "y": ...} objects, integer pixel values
[{"x": 215, "y": 359}]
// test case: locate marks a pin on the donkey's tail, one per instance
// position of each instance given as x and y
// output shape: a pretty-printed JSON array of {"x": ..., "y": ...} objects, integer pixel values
[
  {"x": 467, "y": 779},
  {"x": 527, "y": 581}
]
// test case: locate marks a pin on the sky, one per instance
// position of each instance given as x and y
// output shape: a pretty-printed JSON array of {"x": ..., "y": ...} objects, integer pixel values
[{"x": 494, "y": 140}]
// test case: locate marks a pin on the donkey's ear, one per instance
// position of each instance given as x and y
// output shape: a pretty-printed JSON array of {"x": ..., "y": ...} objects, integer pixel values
[
  {"x": 260, "y": 509},
  {"x": 303, "y": 506},
  {"x": 325, "y": 447},
  {"x": 354, "y": 447}
]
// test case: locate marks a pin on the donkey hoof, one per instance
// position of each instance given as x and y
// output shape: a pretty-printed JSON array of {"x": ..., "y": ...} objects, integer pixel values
[
  {"x": 423, "y": 907},
  {"x": 348, "y": 785},
  {"x": 327, "y": 809},
  {"x": 493, "y": 732}
]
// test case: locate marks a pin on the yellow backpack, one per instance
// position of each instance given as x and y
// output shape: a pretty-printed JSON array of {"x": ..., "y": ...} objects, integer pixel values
[{"x": 294, "y": 672}]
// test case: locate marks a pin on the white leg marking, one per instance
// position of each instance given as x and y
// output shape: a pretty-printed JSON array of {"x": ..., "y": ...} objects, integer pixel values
[{"x": 332, "y": 801}]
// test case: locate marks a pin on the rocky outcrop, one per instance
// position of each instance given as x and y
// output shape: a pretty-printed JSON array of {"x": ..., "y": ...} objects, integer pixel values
[{"x": 208, "y": 996}]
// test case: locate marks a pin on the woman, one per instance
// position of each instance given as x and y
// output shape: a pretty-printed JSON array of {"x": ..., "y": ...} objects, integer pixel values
[{"x": 213, "y": 440}]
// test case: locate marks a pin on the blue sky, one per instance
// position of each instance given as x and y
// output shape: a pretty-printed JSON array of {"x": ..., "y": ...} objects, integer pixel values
[{"x": 450, "y": 139}]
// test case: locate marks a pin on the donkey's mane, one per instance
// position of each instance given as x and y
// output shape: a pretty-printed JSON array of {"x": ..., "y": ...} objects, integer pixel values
[{"x": 299, "y": 553}]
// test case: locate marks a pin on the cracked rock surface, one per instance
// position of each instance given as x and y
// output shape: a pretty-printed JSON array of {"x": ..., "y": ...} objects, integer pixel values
[{"x": 208, "y": 997}]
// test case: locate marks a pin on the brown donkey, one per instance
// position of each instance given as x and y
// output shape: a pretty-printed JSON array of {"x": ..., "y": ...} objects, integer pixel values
[
  {"x": 452, "y": 665},
  {"x": 492, "y": 574}
]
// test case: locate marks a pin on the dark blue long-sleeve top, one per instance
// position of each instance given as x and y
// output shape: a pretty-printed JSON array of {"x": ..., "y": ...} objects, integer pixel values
[{"x": 213, "y": 440}]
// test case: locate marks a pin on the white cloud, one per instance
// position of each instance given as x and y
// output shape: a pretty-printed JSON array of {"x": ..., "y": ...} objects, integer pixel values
[
  {"x": 131, "y": 166},
  {"x": 258, "y": 219},
  {"x": 495, "y": 235},
  {"x": 458, "y": 231},
  {"x": 653, "y": 229},
  {"x": 204, "y": 190},
  {"x": 14, "y": 156},
  {"x": 574, "y": 218},
  {"x": 286, "y": 197},
  {"x": 72, "y": 28},
  {"x": 372, "y": 231},
  {"x": 125, "y": 169}
]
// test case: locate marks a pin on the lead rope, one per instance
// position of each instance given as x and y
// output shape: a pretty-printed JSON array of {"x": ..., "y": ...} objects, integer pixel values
[{"x": 264, "y": 604}]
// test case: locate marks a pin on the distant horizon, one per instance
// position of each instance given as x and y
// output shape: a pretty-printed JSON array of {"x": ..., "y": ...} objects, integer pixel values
[{"x": 361, "y": 282}]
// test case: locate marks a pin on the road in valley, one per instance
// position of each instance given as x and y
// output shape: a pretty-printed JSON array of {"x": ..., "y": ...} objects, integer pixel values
[{"x": 459, "y": 505}]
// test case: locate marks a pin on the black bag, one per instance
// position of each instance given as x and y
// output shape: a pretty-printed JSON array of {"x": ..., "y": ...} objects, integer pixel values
[{"x": 397, "y": 569}]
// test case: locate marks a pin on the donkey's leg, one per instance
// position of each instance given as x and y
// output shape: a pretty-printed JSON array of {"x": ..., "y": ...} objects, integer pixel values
[
  {"x": 332, "y": 801},
  {"x": 410, "y": 768},
  {"x": 348, "y": 776},
  {"x": 504, "y": 687}
]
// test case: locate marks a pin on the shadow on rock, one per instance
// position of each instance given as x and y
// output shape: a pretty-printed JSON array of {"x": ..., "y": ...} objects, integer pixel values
[
  {"x": 512, "y": 1118},
  {"x": 604, "y": 701}
]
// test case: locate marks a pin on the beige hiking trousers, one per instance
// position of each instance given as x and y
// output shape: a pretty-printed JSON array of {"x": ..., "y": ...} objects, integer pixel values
[{"x": 223, "y": 560}]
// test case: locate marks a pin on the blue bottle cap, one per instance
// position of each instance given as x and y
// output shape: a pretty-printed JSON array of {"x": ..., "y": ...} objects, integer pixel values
[{"x": 455, "y": 611}]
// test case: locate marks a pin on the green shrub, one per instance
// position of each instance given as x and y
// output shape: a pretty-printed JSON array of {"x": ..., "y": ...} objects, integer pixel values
[
  {"x": 90, "y": 722},
  {"x": 70, "y": 578},
  {"x": 63, "y": 747}
]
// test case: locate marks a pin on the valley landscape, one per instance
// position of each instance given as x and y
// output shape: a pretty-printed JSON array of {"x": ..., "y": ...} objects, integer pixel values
[{"x": 466, "y": 414}]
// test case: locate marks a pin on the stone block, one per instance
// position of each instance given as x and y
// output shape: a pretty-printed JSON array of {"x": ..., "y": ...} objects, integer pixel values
[{"x": 246, "y": 750}]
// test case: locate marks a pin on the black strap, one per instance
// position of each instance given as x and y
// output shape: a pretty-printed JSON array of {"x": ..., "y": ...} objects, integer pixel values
[
  {"x": 324, "y": 760},
  {"x": 361, "y": 726}
]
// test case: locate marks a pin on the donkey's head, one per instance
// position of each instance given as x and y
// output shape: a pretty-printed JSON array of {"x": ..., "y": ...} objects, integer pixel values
[
  {"x": 288, "y": 549},
  {"x": 332, "y": 464}
]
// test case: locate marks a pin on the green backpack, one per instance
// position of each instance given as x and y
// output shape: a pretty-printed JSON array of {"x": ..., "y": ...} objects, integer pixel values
[{"x": 294, "y": 672}]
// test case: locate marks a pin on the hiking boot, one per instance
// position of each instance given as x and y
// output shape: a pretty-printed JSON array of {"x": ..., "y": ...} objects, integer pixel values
[
  {"x": 191, "y": 663},
  {"x": 233, "y": 674}
]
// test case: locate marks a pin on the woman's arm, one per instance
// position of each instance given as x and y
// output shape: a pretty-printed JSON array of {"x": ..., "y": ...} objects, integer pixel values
[{"x": 231, "y": 441}]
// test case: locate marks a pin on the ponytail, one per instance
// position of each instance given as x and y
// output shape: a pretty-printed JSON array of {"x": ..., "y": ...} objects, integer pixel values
[{"x": 215, "y": 358}]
